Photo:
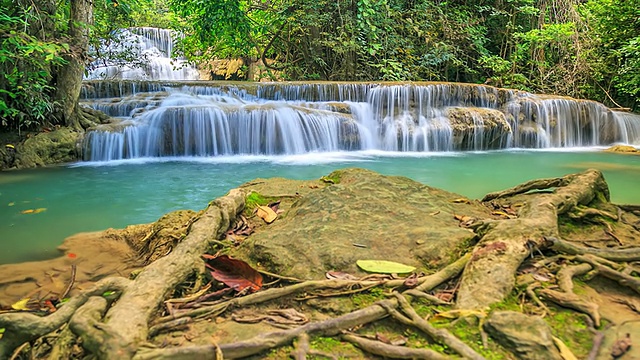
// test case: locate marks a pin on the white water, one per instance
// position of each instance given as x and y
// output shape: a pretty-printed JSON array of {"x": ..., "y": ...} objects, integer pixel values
[
  {"x": 203, "y": 119},
  {"x": 153, "y": 50}
]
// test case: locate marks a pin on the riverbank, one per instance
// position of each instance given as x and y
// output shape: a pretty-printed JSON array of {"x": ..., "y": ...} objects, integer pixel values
[{"x": 325, "y": 226}]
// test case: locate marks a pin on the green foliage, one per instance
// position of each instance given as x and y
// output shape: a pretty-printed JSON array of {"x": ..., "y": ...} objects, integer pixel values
[{"x": 25, "y": 65}]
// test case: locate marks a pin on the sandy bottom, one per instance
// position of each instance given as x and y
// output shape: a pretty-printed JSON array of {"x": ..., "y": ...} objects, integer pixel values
[{"x": 96, "y": 255}]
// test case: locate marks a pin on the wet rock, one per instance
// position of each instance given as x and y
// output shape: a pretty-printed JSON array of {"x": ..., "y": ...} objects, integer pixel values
[
  {"x": 623, "y": 149},
  {"x": 528, "y": 337},
  {"x": 478, "y": 128},
  {"x": 58, "y": 146},
  {"x": 364, "y": 215}
]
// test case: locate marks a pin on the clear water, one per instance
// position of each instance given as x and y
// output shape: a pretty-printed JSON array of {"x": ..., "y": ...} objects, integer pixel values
[{"x": 95, "y": 196}]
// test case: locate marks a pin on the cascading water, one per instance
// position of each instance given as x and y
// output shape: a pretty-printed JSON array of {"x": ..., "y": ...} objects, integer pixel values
[
  {"x": 152, "y": 51},
  {"x": 188, "y": 118}
]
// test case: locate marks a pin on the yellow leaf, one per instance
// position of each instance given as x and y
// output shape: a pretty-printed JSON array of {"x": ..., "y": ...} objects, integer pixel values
[
  {"x": 461, "y": 200},
  {"x": 21, "y": 305},
  {"x": 11, "y": 203},
  {"x": 565, "y": 352},
  {"x": 384, "y": 267},
  {"x": 39, "y": 210},
  {"x": 267, "y": 214},
  {"x": 29, "y": 211}
]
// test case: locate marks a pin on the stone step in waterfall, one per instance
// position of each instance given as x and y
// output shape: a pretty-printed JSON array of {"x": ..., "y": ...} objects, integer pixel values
[{"x": 188, "y": 118}]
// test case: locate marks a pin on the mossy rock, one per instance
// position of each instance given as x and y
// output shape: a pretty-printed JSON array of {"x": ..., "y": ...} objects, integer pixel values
[
  {"x": 359, "y": 215},
  {"x": 58, "y": 146},
  {"x": 623, "y": 149}
]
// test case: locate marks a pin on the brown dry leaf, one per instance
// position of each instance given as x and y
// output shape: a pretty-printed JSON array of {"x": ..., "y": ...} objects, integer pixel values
[
  {"x": 287, "y": 317},
  {"x": 314, "y": 186},
  {"x": 444, "y": 296},
  {"x": 266, "y": 213},
  {"x": 411, "y": 281},
  {"x": 401, "y": 341},
  {"x": 502, "y": 214},
  {"x": 339, "y": 275},
  {"x": 382, "y": 338},
  {"x": 621, "y": 346},
  {"x": 248, "y": 319}
]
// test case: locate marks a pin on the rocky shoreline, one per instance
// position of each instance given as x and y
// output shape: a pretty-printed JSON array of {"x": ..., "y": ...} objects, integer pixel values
[{"x": 322, "y": 228}]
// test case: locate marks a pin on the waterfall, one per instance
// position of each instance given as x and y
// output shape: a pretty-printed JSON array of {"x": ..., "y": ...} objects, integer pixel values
[
  {"x": 176, "y": 116},
  {"x": 141, "y": 54},
  {"x": 216, "y": 118}
]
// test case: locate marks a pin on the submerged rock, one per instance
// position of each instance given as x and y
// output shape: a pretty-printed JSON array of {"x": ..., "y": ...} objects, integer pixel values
[
  {"x": 362, "y": 215},
  {"x": 623, "y": 149}
]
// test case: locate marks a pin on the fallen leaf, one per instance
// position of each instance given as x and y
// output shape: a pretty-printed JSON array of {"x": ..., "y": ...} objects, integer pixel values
[
  {"x": 72, "y": 255},
  {"x": 234, "y": 273},
  {"x": 274, "y": 206},
  {"x": 339, "y": 275},
  {"x": 21, "y": 304},
  {"x": 411, "y": 281},
  {"x": 39, "y": 210},
  {"x": 461, "y": 200},
  {"x": 266, "y": 213},
  {"x": 435, "y": 213},
  {"x": 621, "y": 346},
  {"x": 384, "y": 267},
  {"x": 11, "y": 203},
  {"x": 28, "y": 211},
  {"x": 382, "y": 338}
]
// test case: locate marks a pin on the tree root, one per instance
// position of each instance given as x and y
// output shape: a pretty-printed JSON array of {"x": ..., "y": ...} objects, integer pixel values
[
  {"x": 618, "y": 255},
  {"x": 490, "y": 274},
  {"x": 270, "y": 340},
  {"x": 391, "y": 351},
  {"x": 441, "y": 336},
  {"x": 119, "y": 330},
  {"x": 24, "y": 327}
]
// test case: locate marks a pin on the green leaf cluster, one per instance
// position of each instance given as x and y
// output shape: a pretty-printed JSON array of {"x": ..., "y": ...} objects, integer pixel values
[{"x": 25, "y": 65}]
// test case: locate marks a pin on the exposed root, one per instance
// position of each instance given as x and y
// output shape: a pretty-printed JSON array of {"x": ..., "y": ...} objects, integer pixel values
[
  {"x": 25, "y": 327},
  {"x": 619, "y": 255},
  {"x": 441, "y": 336},
  {"x": 391, "y": 351},
  {"x": 270, "y": 340},
  {"x": 490, "y": 274}
]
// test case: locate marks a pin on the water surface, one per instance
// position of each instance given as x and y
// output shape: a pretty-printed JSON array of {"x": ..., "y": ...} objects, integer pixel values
[{"x": 96, "y": 196}]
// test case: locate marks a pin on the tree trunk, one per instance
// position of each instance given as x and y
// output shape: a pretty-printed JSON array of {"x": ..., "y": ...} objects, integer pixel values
[{"x": 69, "y": 80}]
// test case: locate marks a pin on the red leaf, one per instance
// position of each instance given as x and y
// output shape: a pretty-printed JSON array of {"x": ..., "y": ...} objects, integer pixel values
[{"x": 234, "y": 273}]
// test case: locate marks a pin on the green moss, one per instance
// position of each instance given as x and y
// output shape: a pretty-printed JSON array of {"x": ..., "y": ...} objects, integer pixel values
[
  {"x": 365, "y": 299},
  {"x": 253, "y": 200},
  {"x": 567, "y": 226},
  {"x": 333, "y": 178},
  {"x": 329, "y": 345},
  {"x": 511, "y": 303},
  {"x": 570, "y": 327}
]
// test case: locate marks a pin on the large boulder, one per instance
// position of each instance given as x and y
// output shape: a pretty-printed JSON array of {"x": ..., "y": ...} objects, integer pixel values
[{"x": 362, "y": 215}]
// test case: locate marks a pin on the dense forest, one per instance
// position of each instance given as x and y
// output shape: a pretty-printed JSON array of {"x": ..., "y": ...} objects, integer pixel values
[{"x": 580, "y": 48}]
